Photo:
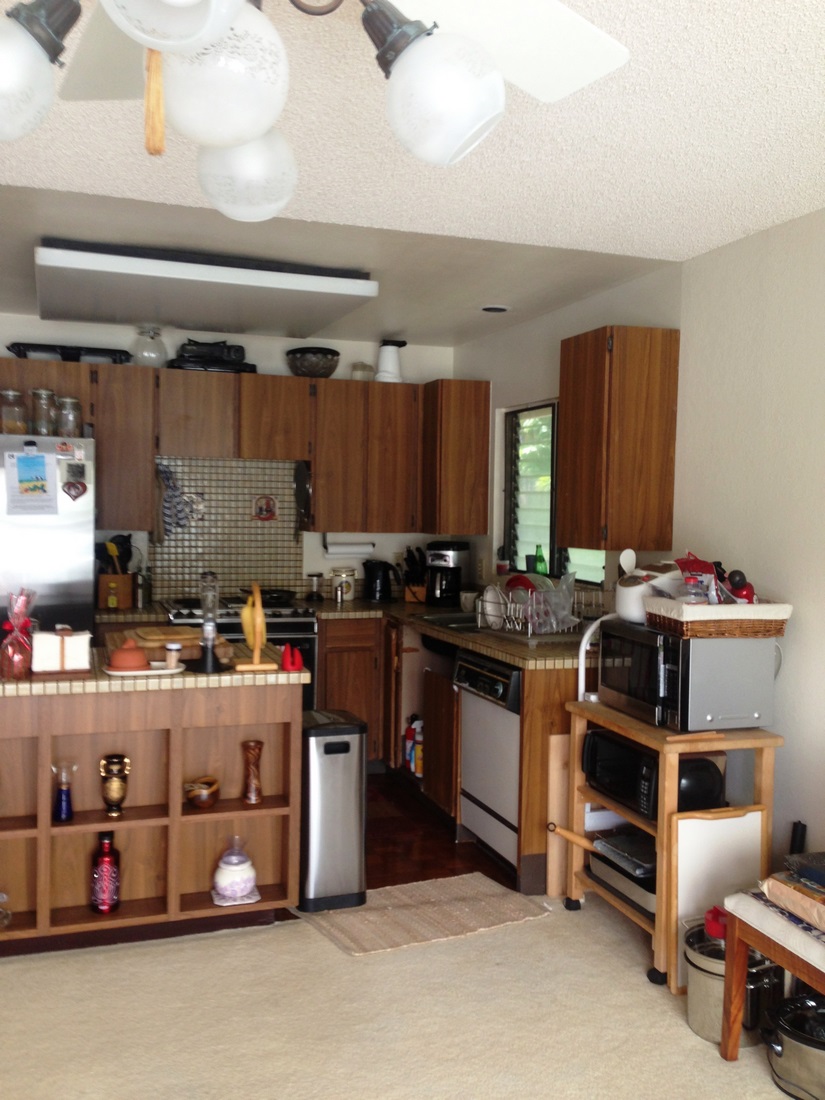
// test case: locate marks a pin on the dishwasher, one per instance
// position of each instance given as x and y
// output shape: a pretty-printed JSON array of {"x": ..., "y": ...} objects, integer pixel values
[{"x": 490, "y": 740}]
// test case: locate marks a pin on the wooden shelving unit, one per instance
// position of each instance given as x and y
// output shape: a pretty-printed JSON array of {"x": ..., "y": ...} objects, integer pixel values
[
  {"x": 663, "y": 928},
  {"x": 169, "y": 850}
]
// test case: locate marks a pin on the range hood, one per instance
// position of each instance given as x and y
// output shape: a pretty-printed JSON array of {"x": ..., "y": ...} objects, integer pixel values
[{"x": 206, "y": 292}]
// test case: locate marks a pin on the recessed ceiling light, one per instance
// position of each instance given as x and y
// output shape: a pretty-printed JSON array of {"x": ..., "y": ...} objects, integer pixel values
[{"x": 495, "y": 309}]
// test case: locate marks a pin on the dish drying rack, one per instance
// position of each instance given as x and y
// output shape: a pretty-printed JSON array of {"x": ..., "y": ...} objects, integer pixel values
[{"x": 525, "y": 612}]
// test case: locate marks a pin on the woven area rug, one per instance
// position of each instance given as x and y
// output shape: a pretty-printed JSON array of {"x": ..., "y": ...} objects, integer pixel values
[{"x": 424, "y": 912}]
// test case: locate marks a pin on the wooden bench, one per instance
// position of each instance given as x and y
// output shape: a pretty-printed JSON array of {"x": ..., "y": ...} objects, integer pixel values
[{"x": 777, "y": 936}]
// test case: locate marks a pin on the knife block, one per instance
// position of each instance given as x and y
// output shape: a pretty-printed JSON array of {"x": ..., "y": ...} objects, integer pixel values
[{"x": 123, "y": 590}]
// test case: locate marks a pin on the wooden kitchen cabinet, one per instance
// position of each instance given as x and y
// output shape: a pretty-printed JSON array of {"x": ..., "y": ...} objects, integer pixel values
[
  {"x": 455, "y": 455},
  {"x": 169, "y": 850},
  {"x": 124, "y": 405},
  {"x": 197, "y": 414},
  {"x": 392, "y": 454},
  {"x": 276, "y": 417},
  {"x": 351, "y": 674},
  {"x": 339, "y": 466},
  {"x": 441, "y": 718},
  {"x": 617, "y": 439}
]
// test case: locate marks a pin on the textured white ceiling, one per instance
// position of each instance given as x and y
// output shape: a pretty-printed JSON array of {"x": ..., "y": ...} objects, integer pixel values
[{"x": 711, "y": 132}]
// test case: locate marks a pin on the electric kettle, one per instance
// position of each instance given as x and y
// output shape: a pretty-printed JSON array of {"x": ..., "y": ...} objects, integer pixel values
[{"x": 377, "y": 583}]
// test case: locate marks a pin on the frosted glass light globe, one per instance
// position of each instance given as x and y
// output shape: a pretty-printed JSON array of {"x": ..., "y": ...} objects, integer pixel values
[
  {"x": 444, "y": 97},
  {"x": 250, "y": 182},
  {"x": 232, "y": 91},
  {"x": 26, "y": 81},
  {"x": 170, "y": 27}
]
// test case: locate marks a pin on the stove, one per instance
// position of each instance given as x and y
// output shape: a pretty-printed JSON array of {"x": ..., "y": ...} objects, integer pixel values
[{"x": 286, "y": 622}]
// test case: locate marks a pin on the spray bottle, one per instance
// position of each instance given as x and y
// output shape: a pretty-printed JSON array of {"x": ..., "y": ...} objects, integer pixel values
[
  {"x": 419, "y": 749},
  {"x": 408, "y": 746}
]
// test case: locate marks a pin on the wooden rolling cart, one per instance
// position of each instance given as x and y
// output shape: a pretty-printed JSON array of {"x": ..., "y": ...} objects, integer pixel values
[{"x": 664, "y": 925}]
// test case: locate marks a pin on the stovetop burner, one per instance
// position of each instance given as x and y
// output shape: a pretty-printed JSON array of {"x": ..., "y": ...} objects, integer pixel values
[
  {"x": 278, "y": 606},
  {"x": 273, "y": 597}
]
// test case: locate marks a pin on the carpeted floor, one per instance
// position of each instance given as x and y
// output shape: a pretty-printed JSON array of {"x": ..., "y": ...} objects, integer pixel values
[
  {"x": 424, "y": 912},
  {"x": 551, "y": 1008}
]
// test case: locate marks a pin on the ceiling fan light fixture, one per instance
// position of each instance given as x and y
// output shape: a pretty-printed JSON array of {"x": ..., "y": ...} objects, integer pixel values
[
  {"x": 444, "y": 97},
  {"x": 170, "y": 28},
  {"x": 251, "y": 182},
  {"x": 232, "y": 91}
]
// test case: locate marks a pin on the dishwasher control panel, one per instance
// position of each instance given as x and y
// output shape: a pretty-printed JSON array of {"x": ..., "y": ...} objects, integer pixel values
[{"x": 489, "y": 679}]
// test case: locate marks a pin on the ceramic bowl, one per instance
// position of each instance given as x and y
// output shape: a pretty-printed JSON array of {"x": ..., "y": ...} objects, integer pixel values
[
  {"x": 312, "y": 362},
  {"x": 129, "y": 658},
  {"x": 202, "y": 793}
]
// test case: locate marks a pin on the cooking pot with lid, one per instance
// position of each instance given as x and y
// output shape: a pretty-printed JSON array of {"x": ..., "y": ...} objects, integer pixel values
[{"x": 796, "y": 1046}]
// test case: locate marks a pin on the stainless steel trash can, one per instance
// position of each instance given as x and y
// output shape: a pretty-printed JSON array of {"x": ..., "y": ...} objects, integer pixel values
[{"x": 333, "y": 813}]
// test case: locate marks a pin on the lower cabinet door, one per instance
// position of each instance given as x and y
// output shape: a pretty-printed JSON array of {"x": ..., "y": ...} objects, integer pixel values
[
  {"x": 350, "y": 659},
  {"x": 440, "y": 725}
]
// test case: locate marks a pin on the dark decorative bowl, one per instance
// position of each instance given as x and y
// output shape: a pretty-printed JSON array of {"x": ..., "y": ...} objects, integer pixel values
[
  {"x": 312, "y": 362},
  {"x": 202, "y": 793}
]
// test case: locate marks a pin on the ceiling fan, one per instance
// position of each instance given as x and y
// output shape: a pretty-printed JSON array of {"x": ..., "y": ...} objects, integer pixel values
[{"x": 540, "y": 46}]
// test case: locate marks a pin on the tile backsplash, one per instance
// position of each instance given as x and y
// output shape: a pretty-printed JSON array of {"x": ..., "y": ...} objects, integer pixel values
[{"x": 224, "y": 505}]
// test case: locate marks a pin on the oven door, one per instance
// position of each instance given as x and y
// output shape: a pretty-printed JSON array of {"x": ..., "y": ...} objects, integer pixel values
[{"x": 306, "y": 643}]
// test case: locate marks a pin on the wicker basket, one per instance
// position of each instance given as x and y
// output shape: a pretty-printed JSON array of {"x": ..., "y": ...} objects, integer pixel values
[{"x": 758, "y": 620}]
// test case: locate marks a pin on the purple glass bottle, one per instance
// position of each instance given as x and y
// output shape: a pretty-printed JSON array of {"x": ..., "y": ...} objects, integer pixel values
[{"x": 105, "y": 875}]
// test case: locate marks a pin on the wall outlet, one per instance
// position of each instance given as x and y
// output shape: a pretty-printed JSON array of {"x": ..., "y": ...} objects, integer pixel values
[
  {"x": 398, "y": 559},
  {"x": 480, "y": 570}
]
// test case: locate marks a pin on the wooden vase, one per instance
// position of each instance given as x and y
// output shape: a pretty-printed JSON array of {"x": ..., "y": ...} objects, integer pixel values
[{"x": 252, "y": 793}]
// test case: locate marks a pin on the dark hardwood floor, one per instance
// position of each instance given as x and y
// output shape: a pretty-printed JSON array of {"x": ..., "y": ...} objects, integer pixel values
[{"x": 410, "y": 840}]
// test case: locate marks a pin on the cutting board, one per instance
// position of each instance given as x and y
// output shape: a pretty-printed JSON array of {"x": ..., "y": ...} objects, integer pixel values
[{"x": 154, "y": 639}]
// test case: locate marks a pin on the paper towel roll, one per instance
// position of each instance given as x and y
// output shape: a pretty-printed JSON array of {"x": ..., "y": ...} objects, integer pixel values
[{"x": 348, "y": 549}]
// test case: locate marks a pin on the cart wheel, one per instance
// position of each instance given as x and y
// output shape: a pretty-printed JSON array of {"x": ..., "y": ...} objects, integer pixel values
[
  {"x": 570, "y": 903},
  {"x": 658, "y": 977}
]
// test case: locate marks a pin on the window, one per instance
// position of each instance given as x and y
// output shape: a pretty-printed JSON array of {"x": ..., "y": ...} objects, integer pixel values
[{"x": 529, "y": 496}]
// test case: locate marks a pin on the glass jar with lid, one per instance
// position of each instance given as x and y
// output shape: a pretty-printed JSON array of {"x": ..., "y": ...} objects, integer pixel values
[
  {"x": 13, "y": 418},
  {"x": 69, "y": 417},
  {"x": 343, "y": 577},
  {"x": 44, "y": 412}
]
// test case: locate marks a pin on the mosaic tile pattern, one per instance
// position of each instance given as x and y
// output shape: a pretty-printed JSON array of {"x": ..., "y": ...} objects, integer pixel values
[{"x": 225, "y": 500}]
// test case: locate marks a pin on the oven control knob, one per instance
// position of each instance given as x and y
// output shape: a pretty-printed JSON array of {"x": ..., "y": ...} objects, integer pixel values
[{"x": 497, "y": 690}]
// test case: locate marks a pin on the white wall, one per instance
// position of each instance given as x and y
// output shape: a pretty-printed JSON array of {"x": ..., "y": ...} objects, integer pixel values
[{"x": 750, "y": 460}]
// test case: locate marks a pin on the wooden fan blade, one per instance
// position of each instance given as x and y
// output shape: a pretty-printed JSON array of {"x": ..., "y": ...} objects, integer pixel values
[{"x": 153, "y": 114}]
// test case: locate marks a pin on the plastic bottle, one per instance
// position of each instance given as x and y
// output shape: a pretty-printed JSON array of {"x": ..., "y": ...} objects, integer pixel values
[
  {"x": 111, "y": 599},
  {"x": 419, "y": 748},
  {"x": 541, "y": 564},
  {"x": 692, "y": 591},
  {"x": 409, "y": 743}
]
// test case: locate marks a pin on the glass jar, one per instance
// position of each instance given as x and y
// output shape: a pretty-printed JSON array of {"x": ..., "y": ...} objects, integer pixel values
[
  {"x": 44, "y": 412},
  {"x": 13, "y": 419},
  {"x": 69, "y": 417},
  {"x": 149, "y": 350}
]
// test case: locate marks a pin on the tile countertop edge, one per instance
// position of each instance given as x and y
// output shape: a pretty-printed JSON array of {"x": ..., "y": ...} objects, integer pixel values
[
  {"x": 98, "y": 683},
  {"x": 523, "y": 653}
]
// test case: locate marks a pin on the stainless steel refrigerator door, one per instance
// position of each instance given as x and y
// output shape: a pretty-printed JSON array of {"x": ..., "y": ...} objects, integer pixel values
[{"x": 53, "y": 554}]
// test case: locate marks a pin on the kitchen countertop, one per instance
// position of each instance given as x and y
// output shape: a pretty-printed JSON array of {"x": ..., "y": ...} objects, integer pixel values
[{"x": 537, "y": 653}]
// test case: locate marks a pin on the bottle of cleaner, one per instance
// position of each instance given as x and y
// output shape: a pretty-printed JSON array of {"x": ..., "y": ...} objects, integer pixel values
[
  {"x": 408, "y": 747},
  {"x": 419, "y": 749}
]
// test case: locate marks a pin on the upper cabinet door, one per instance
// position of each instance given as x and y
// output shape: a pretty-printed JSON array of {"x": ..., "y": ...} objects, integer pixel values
[
  {"x": 276, "y": 417},
  {"x": 393, "y": 444},
  {"x": 616, "y": 439},
  {"x": 125, "y": 433},
  {"x": 339, "y": 466},
  {"x": 455, "y": 457},
  {"x": 197, "y": 414}
]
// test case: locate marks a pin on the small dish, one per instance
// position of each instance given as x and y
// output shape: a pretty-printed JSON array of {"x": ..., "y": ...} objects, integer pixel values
[
  {"x": 520, "y": 581},
  {"x": 156, "y": 668},
  {"x": 494, "y": 606}
]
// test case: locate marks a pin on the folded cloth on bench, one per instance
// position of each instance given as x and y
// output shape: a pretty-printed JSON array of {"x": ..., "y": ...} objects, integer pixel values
[{"x": 795, "y": 934}]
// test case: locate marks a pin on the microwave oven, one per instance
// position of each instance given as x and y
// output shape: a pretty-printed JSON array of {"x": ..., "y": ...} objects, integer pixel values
[
  {"x": 686, "y": 684},
  {"x": 629, "y": 774}
]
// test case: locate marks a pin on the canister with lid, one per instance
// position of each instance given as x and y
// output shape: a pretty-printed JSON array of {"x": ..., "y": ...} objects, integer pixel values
[
  {"x": 343, "y": 576},
  {"x": 69, "y": 417},
  {"x": 13, "y": 420},
  {"x": 44, "y": 412}
]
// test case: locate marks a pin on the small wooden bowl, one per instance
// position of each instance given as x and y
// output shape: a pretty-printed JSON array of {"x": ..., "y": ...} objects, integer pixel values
[{"x": 202, "y": 793}]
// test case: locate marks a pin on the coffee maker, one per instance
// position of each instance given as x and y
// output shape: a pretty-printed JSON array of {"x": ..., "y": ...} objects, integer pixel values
[{"x": 447, "y": 564}]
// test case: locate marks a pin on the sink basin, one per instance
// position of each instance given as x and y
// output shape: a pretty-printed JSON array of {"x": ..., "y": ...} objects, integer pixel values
[{"x": 452, "y": 620}]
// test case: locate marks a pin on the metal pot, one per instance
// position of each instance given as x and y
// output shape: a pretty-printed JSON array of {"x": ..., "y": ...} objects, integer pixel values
[{"x": 796, "y": 1046}]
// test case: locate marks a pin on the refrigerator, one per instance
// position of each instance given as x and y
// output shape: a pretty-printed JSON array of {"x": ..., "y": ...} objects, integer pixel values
[{"x": 47, "y": 527}]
